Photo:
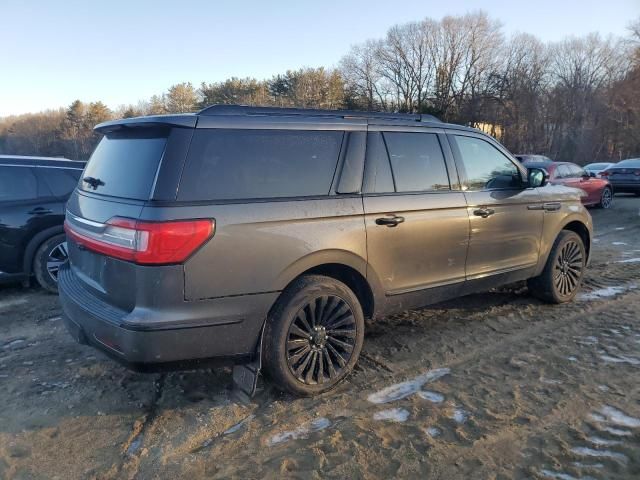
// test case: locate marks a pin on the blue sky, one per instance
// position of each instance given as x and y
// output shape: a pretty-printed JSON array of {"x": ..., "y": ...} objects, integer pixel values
[{"x": 52, "y": 52}]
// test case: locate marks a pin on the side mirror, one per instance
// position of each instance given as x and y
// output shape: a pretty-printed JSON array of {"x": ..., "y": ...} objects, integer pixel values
[{"x": 537, "y": 177}]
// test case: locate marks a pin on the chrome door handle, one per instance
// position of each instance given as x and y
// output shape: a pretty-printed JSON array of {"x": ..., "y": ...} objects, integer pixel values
[
  {"x": 484, "y": 212},
  {"x": 391, "y": 221}
]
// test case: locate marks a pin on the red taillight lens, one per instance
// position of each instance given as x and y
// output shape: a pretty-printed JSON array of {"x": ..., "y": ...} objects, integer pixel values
[
  {"x": 604, "y": 174},
  {"x": 146, "y": 243},
  {"x": 637, "y": 173}
]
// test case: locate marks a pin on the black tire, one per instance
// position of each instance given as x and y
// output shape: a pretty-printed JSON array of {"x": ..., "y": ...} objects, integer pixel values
[
  {"x": 562, "y": 276},
  {"x": 606, "y": 198},
  {"x": 48, "y": 259},
  {"x": 291, "y": 343}
]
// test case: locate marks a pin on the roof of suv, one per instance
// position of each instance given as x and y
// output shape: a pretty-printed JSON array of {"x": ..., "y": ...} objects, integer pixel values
[
  {"x": 191, "y": 119},
  {"x": 56, "y": 162}
]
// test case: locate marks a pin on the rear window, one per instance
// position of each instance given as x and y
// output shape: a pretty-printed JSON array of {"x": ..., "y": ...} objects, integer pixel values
[
  {"x": 124, "y": 164},
  {"x": 228, "y": 164}
]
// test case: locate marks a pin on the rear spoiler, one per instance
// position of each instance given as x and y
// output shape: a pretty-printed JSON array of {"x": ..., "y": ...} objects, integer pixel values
[{"x": 187, "y": 120}]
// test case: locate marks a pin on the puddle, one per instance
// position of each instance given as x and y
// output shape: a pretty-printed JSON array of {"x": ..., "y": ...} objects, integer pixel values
[
  {"x": 404, "y": 389},
  {"x": 301, "y": 432},
  {"x": 393, "y": 414}
]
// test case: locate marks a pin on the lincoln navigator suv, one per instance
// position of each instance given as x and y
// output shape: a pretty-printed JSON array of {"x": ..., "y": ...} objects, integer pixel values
[{"x": 266, "y": 236}]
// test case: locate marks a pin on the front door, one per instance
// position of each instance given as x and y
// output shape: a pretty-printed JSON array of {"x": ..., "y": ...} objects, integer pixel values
[
  {"x": 416, "y": 222},
  {"x": 505, "y": 217}
]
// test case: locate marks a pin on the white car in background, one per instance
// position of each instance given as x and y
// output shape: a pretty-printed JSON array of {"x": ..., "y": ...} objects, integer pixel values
[{"x": 597, "y": 168}]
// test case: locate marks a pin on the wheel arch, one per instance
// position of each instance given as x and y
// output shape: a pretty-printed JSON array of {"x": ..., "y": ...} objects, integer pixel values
[{"x": 33, "y": 245}]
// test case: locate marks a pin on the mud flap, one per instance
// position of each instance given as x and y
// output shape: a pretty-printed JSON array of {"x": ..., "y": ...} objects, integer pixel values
[{"x": 245, "y": 376}]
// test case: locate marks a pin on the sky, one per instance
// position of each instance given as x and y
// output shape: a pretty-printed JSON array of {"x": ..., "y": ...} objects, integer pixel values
[{"x": 120, "y": 52}]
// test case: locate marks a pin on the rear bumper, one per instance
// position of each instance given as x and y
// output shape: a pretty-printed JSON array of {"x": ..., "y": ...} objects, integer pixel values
[
  {"x": 230, "y": 330},
  {"x": 625, "y": 187}
]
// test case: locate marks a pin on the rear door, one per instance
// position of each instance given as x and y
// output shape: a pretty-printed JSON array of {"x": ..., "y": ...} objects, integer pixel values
[
  {"x": 19, "y": 208},
  {"x": 505, "y": 218},
  {"x": 415, "y": 214}
]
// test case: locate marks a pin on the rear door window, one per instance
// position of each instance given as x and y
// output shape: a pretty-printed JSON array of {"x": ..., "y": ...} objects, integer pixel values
[
  {"x": 124, "y": 164},
  {"x": 17, "y": 183},
  {"x": 229, "y": 164},
  {"x": 61, "y": 181},
  {"x": 417, "y": 161}
]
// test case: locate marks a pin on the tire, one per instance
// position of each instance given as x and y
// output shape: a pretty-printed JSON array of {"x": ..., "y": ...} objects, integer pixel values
[
  {"x": 50, "y": 256},
  {"x": 562, "y": 276},
  {"x": 606, "y": 198},
  {"x": 292, "y": 347}
]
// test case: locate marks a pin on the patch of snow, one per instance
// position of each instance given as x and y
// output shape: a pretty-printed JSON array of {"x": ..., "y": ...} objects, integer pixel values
[
  {"x": 630, "y": 260},
  {"x": 618, "y": 243},
  {"x": 619, "y": 417},
  {"x": 301, "y": 432},
  {"x": 433, "y": 432},
  {"x": 602, "y": 293},
  {"x": 459, "y": 415},
  {"x": 588, "y": 465},
  {"x": 238, "y": 425},
  {"x": 404, "y": 389},
  {"x": 596, "y": 417},
  {"x": 618, "y": 432},
  {"x": 393, "y": 414},
  {"x": 572, "y": 359},
  {"x": 603, "y": 388},
  {"x": 434, "y": 397},
  {"x": 590, "y": 452},
  {"x": 556, "y": 475},
  {"x": 13, "y": 302},
  {"x": 603, "y": 442},
  {"x": 619, "y": 228},
  {"x": 620, "y": 359},
  {"x": 550, "y": 381}
]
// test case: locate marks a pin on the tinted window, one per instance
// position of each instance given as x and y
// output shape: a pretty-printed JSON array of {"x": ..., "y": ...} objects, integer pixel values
[
  {"x": 125, "y": 164},
  {"x": 241, "y": 164},
  {"x": 61, "y": 181},
  {"x": 378, "y": 178},
  {"x": 417, "y": 161},
  {"x": 17, "y": 183},
  {"x": 575, "y": 171},
  {"x": 485, "y": 166}
]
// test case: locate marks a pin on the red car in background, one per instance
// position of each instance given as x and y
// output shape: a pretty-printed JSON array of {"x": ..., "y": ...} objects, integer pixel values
[{"x": 599, "y": 191}]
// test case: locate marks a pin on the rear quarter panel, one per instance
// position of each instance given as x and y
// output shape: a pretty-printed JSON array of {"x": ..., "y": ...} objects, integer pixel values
[{"x": 260, "y": 247}]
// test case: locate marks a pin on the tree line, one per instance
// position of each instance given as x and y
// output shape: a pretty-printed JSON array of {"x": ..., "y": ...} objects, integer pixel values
[{"x": 574, "y": 100}]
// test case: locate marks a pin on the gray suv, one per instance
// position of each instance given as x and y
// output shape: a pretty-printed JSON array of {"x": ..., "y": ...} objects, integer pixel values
[{"x": 265, "y": 236}]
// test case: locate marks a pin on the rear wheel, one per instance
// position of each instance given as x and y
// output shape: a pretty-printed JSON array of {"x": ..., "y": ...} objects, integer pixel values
[
  {"x": 606, "y": 199},
  {"x": 314, "y": 335},
  {"x": 50, "y": 256},
  {"x": 562, "y": 276}
]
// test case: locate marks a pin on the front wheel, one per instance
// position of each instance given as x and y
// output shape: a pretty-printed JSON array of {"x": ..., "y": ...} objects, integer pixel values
[
  {"x": 313, "y": 336},
  {"x": 562, "y": 276},
  {"x": 606, "y": 198}
]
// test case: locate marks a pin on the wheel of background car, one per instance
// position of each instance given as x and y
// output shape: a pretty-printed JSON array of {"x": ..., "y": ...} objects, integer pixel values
[
  {"x": 562, "y": 276},
  {"x": 606, "y": 199},
  {"x": 49, "y": 257},
  {"x": 314, "y": 335}
]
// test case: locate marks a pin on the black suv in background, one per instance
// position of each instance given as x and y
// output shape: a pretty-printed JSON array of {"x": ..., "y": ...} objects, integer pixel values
[{"x": 33, "y": 194}]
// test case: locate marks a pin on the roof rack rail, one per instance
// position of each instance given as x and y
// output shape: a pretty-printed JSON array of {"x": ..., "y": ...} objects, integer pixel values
[{"x": 274, "y": 111}]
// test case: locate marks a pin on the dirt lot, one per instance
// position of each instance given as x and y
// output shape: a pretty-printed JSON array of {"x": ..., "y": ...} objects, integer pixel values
[{"x": 490, "y": 386}]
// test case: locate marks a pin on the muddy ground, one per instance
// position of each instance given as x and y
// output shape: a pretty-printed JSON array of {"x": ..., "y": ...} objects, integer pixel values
[{"x": 496, "y": 385}]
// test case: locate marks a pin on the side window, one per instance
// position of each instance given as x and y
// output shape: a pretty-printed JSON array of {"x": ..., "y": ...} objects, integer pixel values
[
  {"x": 417, "y": 162},
  {"x": 61, "y": 181},
  {"x": 576, "y": 171},
  {"x": 562, "y": 171},
  {"x": 378, "y": 178},
  {"x": 227, "y": 164},
  {"x": 486, "y": 168},
  {"x": 17, "y": 183}
]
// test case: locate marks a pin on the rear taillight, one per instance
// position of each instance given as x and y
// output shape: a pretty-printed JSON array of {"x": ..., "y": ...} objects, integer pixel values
[
  {"x": 145, "y": 243},
  {"x": 636, "y": 172},
  {"x": 605, "y": 174}
]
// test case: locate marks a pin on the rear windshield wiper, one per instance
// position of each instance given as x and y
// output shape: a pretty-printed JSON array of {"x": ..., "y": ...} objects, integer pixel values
[{"x": 93, "y": 182}]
